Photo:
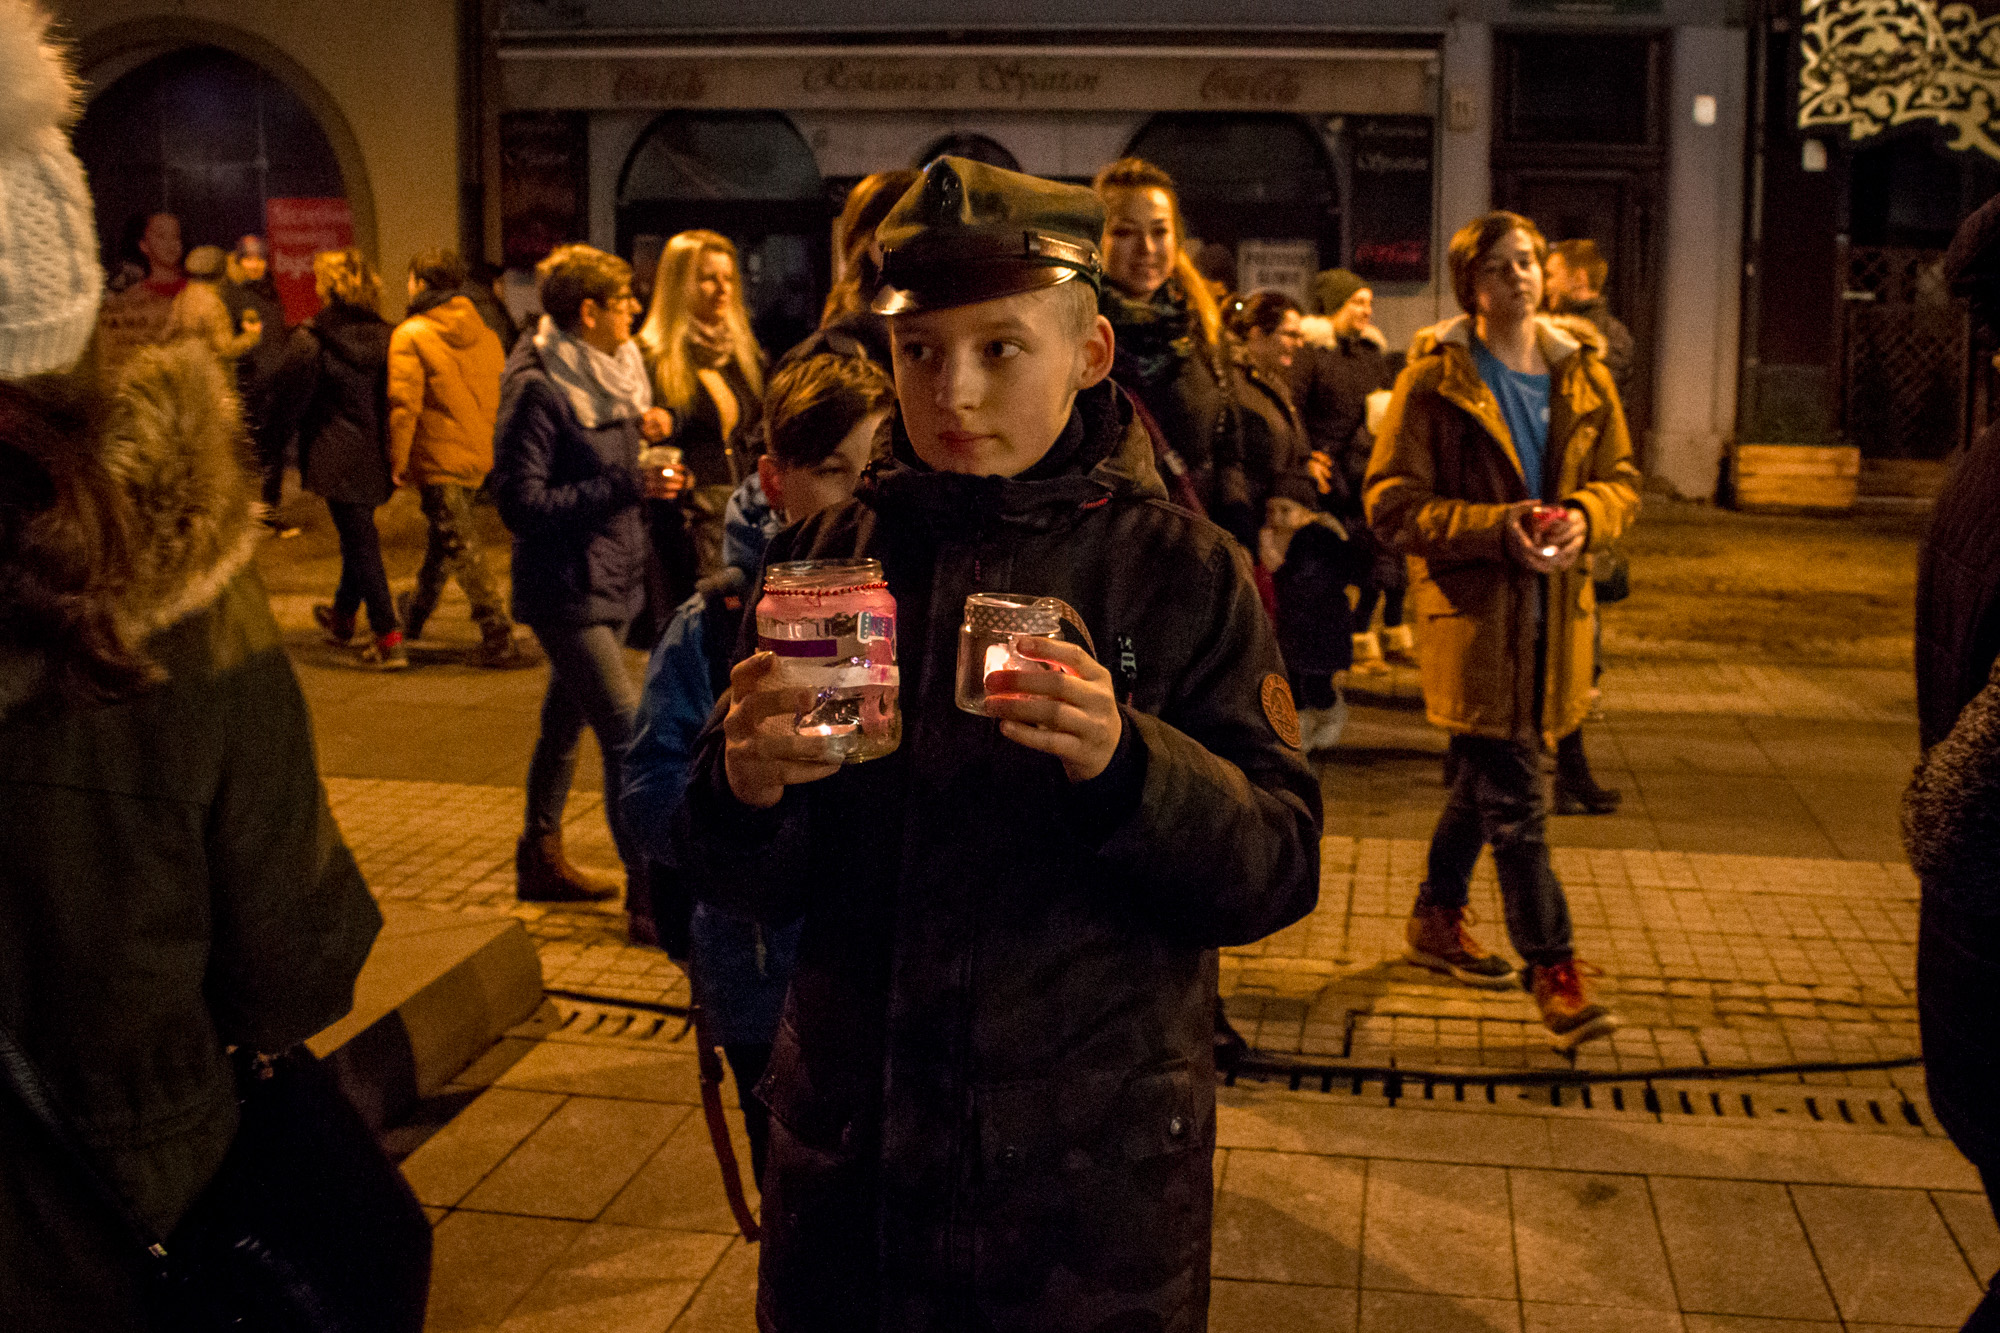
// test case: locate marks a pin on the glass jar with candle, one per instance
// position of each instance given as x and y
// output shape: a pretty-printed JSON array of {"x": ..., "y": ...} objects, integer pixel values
[
  {"x": 832, "y": 625},
  {"x": 993, "y": 622}
]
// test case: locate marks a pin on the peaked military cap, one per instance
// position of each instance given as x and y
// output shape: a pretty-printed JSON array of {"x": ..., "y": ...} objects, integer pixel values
[{"x": 969, "y": 232}]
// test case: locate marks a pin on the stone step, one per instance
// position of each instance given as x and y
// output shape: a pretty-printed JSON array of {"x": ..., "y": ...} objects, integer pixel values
[{"x": 437, "y": 991}]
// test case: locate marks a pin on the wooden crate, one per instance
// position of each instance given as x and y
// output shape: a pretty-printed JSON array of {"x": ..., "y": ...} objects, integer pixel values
[{"x": 1796, "y": 476}]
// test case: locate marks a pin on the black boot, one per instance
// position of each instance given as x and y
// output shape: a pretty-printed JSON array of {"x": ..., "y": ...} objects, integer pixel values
[
  {"x": 542, "y": 874},
  {"x": 1577, "y": 793}
]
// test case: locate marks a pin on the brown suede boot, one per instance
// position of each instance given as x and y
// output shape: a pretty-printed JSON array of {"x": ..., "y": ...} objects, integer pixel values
[
  {"x": 1439, "y": 941},
  {"x": 1570, "y": 1015},
  {"x": 542, "y": 874}
]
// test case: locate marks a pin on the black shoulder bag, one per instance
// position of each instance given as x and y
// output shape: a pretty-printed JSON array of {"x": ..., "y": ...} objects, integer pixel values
[{"x": 306, "y": 1228}]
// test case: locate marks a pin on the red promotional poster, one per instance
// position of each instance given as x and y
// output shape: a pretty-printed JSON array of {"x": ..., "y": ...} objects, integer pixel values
[{"x": 296, "y": 228}]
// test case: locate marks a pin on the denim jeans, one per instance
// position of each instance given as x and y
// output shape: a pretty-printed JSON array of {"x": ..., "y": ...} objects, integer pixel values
[
  {"x": 588, "y": 683},
  {"x": 1498, "y": 798},
  {"x": 362, "y": 577}
]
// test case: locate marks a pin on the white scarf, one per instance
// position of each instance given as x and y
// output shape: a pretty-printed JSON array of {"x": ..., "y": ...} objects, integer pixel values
[{"x": 601, "y": 389}]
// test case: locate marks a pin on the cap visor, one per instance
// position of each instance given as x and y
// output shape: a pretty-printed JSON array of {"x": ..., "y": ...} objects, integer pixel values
[{"x": 969, "y": 284}]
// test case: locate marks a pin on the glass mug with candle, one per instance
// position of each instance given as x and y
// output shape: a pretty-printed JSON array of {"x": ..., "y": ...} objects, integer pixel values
[
  {"x": 988, "y": 641},
  {"x": 1543, "y": 520},
  {"x": 832, "y": 626},
  {"x": 663, "y": 473}
]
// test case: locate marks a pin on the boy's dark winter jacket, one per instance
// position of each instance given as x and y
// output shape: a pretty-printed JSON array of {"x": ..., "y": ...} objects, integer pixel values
[
  {"x": 571, "y": 498},
  {"x": 993, "y": 1087}
]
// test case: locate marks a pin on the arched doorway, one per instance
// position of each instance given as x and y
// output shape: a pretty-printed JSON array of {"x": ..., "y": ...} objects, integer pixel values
[
  {"x": 750, "y": 176},
  {"x": 1262, "y": 179},
  {"x": 206, "y": 135},
  {"x": 974, "y": 147}
]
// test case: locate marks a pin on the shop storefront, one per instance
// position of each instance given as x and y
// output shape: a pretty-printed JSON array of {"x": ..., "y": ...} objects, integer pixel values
[{"x": 1290, "y": 160}]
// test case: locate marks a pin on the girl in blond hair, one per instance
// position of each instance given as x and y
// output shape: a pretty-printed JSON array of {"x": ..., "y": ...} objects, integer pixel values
[{"x": 708, "y": 371}]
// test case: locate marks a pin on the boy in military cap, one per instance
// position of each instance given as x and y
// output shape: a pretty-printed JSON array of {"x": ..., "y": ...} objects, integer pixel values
[{"x": 992, "y": 1093}]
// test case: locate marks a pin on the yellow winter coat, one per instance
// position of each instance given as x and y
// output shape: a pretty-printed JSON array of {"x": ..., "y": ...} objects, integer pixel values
[
  {"x": 444, "y": 394},
  {"x": 1439, "y": 483}
]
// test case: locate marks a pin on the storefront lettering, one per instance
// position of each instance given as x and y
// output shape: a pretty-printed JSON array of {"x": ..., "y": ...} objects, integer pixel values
[
  {"x": 656, "y": 84},
  {"x": 1019, "y": 80},
  {"x": 1238, "y": 86},
  {"x": 1372, "y": 161},
  {"x": 899, "y": 79}
]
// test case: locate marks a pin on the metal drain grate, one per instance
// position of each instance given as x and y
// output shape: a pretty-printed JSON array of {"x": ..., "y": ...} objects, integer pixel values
[
  {"x": 605, "y": 1022},
  {"x": 1885, "y": 1111}
]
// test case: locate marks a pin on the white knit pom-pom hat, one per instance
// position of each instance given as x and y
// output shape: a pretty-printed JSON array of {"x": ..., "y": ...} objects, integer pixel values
[{"x": 50, "y": 281}]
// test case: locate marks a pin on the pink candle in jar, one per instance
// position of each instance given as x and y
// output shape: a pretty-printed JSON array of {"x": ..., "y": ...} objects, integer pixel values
[{"x": 832, "y": 626}]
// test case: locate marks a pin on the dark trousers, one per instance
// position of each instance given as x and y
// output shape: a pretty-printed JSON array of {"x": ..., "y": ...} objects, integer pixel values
[
  {"x": 1498, "y": 798},
  {"x": 588, "y": 684},
  {"x": 1958, "y": 990},
  {"x": 1392, "y": 607},
  {"x": 451, "y": 551},
  {"x": 270, "y": 446},
  {"x": 362, "y": 577}
]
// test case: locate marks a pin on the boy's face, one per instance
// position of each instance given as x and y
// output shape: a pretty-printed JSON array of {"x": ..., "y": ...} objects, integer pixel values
[
  {"x": 985, "y": 389},
  {"x": 801, "y": 492}
]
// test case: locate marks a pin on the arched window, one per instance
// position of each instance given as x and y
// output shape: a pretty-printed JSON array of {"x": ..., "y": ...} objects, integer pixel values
[
  {"x": 976, "y": 147},
  {"x": 203, "y": 134},
  {"x": 750, "y": 176},
  {"x": 1249, "y": 178}
]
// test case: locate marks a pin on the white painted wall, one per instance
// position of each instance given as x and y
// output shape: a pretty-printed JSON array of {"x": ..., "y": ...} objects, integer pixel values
[{"x": 1701, "y": 269}]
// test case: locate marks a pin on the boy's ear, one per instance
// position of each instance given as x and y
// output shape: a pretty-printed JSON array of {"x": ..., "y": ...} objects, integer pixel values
[
  {"x": 1095, "y": 362},
  {"x": 772, "y": 480}
]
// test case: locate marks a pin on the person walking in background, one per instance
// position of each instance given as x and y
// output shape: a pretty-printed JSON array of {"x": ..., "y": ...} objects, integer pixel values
[
  {"x": 821, "y": 414},
  {"x": 250, "y": 292},
  {"x": 575, "y": 404},
  {"x": 1170, "y": 355},
  {"x": 174, "y": 883},
  {"x": 138, "y": 314},
  {"x": 1305, "y": 559},
  {"x": 482, "y": 288},
  {"x": 332, "y": 393},
  {"x": 444, "y": 398},
  {"x": 1951, "y": 815},
  {"x": 708, "y": 371},
  {"x": 1576, "y": 279},
  {"x": 1500, "y": 413},
  {"x": 1575, "y": 288},
  {"x": 1344, "y": 362}
]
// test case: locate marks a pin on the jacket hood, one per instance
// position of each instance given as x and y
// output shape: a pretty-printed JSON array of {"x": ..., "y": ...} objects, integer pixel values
[
  {"x": 748, "y": 524},
  {"x": 167, "y": 461},
  {"x": 354, "y": 335},
  {"x": 1561, "y": 337},
  {"x": 1104, "y": 452},
  {"x": 456, "y": 318}
]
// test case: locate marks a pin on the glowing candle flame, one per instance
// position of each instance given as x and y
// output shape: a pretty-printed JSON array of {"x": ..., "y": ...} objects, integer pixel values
[{"x": 999, "y": 657}]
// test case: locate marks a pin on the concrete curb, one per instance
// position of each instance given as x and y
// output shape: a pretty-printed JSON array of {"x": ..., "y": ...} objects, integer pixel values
[{"x": 437, "y": 991}]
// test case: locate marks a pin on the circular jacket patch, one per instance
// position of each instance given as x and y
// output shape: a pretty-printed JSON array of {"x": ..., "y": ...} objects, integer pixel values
[{"x": 1284, "y": 718}]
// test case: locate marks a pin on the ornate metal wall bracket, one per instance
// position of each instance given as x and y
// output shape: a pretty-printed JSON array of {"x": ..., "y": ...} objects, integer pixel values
[{"x": 1872, "y": 65}]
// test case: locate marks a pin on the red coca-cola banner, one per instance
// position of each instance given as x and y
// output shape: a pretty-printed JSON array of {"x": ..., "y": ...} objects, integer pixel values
[{"x": 296, "y": 230}]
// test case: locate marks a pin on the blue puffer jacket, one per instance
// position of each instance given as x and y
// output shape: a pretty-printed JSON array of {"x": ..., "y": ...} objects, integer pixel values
[
  {"x": 740, "y": 969},
  {"x": 571, "y": 498}
]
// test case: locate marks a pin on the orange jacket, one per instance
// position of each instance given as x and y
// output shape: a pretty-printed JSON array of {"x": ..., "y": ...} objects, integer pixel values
[
  {"x": 444, "y": 393},
  {"x": 1439, "y": 487}
]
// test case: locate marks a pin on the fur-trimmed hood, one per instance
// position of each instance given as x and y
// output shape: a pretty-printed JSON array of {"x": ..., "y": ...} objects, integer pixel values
[
  {"x": 1561, "y": 337},
  {"x": 164, "y": 474}
]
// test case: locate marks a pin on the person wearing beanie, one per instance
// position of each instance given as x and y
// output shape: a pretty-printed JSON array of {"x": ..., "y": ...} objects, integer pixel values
[
  {"x": 200, "y": 313},
  {"x": 1949, "y": 815},
  {"x": 250, "y": 291},
  {"x": 174, "y": 883}
]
